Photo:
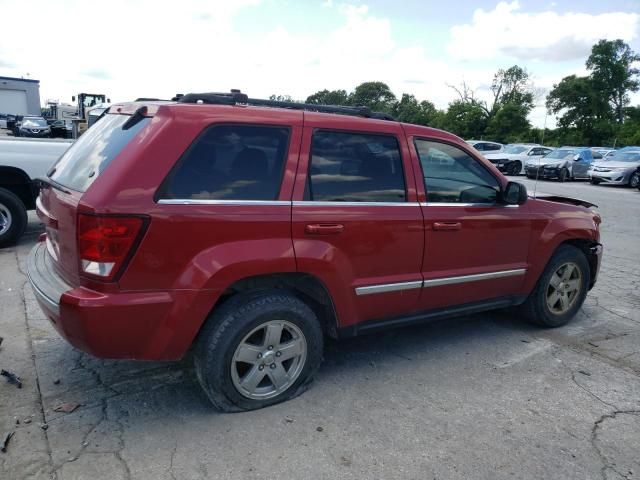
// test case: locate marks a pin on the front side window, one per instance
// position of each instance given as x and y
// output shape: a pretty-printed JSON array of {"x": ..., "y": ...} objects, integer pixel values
[
  {"x": 355, "y": 167},
  {"x": 453, "y": 176},
  {"x": 492, "y": 146},
  {"x": 230, "y": 162}
]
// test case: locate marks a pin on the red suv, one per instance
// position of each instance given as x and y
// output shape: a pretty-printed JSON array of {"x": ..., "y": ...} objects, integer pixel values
[{"x": 251, "y": 229}]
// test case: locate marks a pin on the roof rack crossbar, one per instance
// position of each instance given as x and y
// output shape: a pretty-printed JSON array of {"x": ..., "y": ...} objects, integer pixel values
[{"x": 236, "y": 97}]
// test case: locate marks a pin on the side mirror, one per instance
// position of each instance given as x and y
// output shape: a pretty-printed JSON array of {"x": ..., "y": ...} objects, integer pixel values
[
  {"x": 514, "y": 194},
  {"x": 73, "y": 99}
]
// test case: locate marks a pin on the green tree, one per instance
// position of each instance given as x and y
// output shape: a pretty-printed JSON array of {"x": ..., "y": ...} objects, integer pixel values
[
  {"x": 509, "y": 123},
  {"x": 466, "y": 119},
  {"x": 329, "y": 97},
  {"x": 409, "y": 110},
  {"x": 281, "y": 98},
  {"x": 612, "y": 73},
  {"x": 580, "y": 105},
  {"x": 375, "y": 95}
]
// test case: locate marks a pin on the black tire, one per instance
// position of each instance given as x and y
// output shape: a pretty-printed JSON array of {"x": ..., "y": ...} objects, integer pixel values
[
  {"x": 594, "y": 182},
  {"x": 514, "y": 168},
  {"x": 530, "y": 177},
  {"x": 634, "y": 181},
  {"x": 226, "y": 328},
  {"x": 14, "y": 218},
  {"x": 535, "y": 308},
  {"x": 563, "y": 175}
]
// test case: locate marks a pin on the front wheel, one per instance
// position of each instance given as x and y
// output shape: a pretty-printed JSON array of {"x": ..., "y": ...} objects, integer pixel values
[
  {"x": 13, "y": 218},
  {"x": 514, "y": 168},
  {"x": 561, "y": 289},
  {"x": 563, "y": 175},
  {"x": 634, "y": 181},
  {"x": 257, "y": 350},
  {"x": 594, "y": 182}
]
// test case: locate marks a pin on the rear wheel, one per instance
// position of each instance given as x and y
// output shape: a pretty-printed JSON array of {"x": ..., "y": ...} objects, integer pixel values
[
  {"x": 257, "y": 350},
  {"x": 13, "y": 218},
  {"x": 634, "y": 181},
  {"x": 595, "y": 182},
  {"x": 561, "y": 289}
]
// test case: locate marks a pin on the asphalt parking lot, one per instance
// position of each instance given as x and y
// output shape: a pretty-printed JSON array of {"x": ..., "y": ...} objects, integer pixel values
[{"x": 484, "y": 396}]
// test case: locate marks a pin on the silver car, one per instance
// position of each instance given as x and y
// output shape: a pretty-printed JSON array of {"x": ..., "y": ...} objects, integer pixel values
[{"x": 618, "y": 169}]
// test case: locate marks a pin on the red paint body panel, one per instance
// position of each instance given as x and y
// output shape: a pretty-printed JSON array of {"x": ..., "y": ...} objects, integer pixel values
[{"x": 190, "y": 254}]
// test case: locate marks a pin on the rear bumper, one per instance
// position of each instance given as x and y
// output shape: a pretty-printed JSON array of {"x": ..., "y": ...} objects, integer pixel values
[{"x": 158, "y": 325}]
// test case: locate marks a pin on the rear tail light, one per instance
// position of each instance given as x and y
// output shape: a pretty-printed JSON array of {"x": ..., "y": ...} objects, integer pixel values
[{"x": 105, "y": 243}]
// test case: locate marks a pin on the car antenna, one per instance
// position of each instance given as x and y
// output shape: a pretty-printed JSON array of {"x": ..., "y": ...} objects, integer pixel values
[{"x": 535, "y": 185}]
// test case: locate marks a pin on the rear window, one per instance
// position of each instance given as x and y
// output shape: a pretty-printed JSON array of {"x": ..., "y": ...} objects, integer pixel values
[{"x": 88, "y": 157}]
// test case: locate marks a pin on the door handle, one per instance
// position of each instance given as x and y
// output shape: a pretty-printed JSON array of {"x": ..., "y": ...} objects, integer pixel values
[
  {"x": 447, "y": 226},
  {"x": 324, "y": 228}
]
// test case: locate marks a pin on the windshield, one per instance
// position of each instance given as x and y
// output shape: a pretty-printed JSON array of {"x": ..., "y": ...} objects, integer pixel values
[
  {"x": 34, "y": 122},
  {"x": 560, "y": 154},
  {"x": 514, "y": 149},
  {"x": 625, "y": 157}
]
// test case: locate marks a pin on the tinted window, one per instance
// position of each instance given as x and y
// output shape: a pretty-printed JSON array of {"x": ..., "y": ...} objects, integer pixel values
[
  {"x": 354, "y": 167},
  {"x": 231, "y": 162},
  {"x": 452, "y": 176},
  {"x": 87, "y": 158},
  {"x": 492, "y": 146}
]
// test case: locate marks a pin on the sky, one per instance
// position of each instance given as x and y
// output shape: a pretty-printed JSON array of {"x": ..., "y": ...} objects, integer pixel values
[{"x": 135, "y": 48}]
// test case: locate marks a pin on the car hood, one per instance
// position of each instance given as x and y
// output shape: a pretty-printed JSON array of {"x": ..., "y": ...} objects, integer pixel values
[
  {"x": 613, "y": 164},
  {"x": 508, "y": 156},
  {"x": 550, "y": 161},
  {"x": 561, "y": 199}
]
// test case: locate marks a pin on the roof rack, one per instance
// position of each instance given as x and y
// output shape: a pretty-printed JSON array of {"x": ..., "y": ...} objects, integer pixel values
[{"x": 236, "y": 97}]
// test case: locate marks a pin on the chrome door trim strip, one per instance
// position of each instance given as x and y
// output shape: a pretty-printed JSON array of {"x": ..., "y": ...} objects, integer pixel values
[
  {"x": 454, "y": 204},
  {"x": 388, "y": 287},
  {"x": 436, "y": 282},
  {"x": 309, "y": 203},
  {"x": 189, "y": 201}
]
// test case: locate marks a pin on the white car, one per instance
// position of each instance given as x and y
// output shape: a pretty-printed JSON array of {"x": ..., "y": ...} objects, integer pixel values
[
  {"x": 22, "y": 161},
  {"x": 485, "y": 147},
  {"x": 617, "y": 169},
  {"x": 514, "y": 157}
]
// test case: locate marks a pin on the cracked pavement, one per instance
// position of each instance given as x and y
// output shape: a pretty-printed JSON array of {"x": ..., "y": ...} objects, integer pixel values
[{"x": 483, "y": 396}]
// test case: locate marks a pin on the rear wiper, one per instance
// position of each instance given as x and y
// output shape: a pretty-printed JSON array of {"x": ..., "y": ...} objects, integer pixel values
[{"x": 53, "y": 184}]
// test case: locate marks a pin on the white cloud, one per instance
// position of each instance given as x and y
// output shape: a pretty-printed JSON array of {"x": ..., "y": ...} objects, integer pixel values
[
  {"x": 130, "y": 49},
  {"x": 548, "y": 36}
]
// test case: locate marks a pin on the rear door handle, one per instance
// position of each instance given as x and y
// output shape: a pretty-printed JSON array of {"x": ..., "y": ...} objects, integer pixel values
[
  {"x": 447, "y": 226},
  {"x": 324, "y": 228}
]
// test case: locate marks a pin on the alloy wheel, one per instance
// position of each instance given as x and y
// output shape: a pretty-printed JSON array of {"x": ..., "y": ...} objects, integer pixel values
[
  {"x": 634, "y": 182},
  {"x": 564, "y": 288},
  {"x": 5, "y": 219},
  {"x": 269, "y": 360}
]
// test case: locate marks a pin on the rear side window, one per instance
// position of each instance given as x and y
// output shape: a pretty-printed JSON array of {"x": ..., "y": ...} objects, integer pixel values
[
  {"x": 90, "y": 155},
  {"x": 230, "y": 162},
  {"x": 355, "y": 167}
]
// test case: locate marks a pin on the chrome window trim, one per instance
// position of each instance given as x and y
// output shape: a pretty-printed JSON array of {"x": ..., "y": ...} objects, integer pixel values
[
  {"x": 309, "y": 203},
  {"x": 436, "y": 282},
  {"x": 188, "y": 201},
  {"x": 454, "y": 204},
  {"x": 388, "y": 287}
]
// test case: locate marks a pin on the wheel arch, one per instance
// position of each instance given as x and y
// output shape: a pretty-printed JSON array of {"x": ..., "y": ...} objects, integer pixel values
[
  {"x": 307, "y": 287},
  {"x": 18, "y": 182}
]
